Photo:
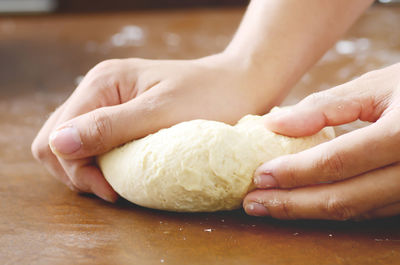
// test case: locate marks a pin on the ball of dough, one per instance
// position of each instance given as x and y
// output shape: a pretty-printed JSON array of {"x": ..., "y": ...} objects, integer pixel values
[{"x": 199, "y": 165}]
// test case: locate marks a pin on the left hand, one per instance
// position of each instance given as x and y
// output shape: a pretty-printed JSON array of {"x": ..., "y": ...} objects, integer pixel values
[
  {"x": 122, "y": 100},
  {"x": 354, "y": 176}
]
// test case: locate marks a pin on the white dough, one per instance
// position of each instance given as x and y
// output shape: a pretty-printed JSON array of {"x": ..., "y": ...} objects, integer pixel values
[{"x": 199, "y": 165}]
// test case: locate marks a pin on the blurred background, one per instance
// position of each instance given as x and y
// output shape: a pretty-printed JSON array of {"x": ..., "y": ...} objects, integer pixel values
[{"x": 62, "y": 6}]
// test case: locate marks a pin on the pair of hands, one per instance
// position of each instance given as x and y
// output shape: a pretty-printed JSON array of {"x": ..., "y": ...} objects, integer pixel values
[{"x": 121, "y": 100}]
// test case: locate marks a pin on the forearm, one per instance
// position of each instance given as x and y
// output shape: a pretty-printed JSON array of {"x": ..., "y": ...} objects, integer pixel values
[{"x": 281, "y": 39}]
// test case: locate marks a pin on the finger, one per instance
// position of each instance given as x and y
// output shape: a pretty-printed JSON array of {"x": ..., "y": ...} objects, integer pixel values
[
  {"x": 386, "y": 211},
  {"x": 337, "y": 201},
  {"x": 86, "y": 177},
  {"x": 83, "y": 172},
  {"x": 345, "y": 156},
  {"x": 312, "y": 114},
  {"x": 109, "y": 83},
  {"x": 100, "y": 130},
  {"x": 42, "y": 153},
  {"x": 55, "y": 169},
  {"x": 339, "y": 105},
  {"x": 94, "y": 85},
  {"x": 40, "y": 148}
]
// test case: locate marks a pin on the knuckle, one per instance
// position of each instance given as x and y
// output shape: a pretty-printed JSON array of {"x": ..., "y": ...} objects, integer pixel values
[
  {"x": 286, "y": 211},
  {"x": 72, "y": 187},
  {"x": 106, "y": 65},
  {"x": 281, "y": 209},
  {"x": 102, "y": 70},
  {"x": 288, "y": 175},
  {"x": 315, "y": 97},
  {"x": 331, "y": 165},
  {"x": 77, "y": 184},
  {"x": 371, "y": 75},
  {"x": 393, "y": 133},
  {"x": 319, "y": 98},
  {"x": 103, "y": 73},
  {"x": 337, "y": 209},
  {"x": 75, "y": 180},
  {"x": 100, "y": 130},
  {"x": 40, "y": 151},
  {"x": 135, "y": 61}
]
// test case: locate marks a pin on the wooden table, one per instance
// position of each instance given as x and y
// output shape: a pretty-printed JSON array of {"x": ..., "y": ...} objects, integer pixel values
[{"x": 42, "y": 222}]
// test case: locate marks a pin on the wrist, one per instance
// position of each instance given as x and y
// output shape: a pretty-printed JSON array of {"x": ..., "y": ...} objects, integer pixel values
[{"x": 269, "y": 77}]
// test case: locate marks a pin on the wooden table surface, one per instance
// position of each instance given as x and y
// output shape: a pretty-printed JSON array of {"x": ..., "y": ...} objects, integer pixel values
[{"x": 42, "y": 222}]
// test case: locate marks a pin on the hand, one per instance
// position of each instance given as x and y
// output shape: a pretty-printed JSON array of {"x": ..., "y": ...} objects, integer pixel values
[
  {"x": 122, "y": 100},
  {"x": 354, "y": 176}
]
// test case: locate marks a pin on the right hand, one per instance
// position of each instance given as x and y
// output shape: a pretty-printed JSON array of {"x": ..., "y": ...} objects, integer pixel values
[
  {"x": 354, "y": 176},
  {"x": 122, "y": 100}
]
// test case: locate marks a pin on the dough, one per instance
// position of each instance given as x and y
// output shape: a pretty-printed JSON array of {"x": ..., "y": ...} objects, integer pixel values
[{"x": 199, "y": 165}]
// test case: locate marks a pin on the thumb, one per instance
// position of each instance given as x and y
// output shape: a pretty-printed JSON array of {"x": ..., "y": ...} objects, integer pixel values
[
  {"x": 102, "y": 129},
  {"x": 328, "y": 108}
]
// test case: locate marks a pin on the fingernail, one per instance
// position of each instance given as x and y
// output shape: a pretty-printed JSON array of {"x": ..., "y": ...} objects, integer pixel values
[
  {"x": 256, "y": 209},
  {"x": 265, "y": 181},
  {"x": 108, "y": 197},
  {"x": 65, "y": 140}
]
